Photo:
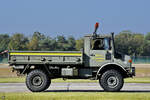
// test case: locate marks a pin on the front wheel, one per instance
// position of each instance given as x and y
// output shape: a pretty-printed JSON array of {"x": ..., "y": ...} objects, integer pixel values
[
  {"x": 111, "y": 81},
  {"x": 37, "y": 81}
]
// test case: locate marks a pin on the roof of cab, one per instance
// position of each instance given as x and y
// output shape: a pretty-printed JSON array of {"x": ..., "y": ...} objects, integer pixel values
[{"x": 99, "y": 35}]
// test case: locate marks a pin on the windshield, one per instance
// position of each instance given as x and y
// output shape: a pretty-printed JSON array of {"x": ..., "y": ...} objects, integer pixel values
[{"x": 107, "y": 43}]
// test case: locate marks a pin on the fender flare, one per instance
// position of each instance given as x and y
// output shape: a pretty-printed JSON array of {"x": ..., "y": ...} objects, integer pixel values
[{"x": 109, "y": 64}]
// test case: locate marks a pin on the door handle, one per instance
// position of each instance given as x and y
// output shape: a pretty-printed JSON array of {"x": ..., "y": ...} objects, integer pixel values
[{"x": 92, "y": 55}]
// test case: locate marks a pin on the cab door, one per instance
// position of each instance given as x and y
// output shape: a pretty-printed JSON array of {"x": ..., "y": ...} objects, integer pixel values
[{"x": 99, "y": 52}]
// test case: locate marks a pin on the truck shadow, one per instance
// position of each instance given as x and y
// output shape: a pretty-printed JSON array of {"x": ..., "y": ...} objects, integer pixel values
[{"x": 122, "y": 91}]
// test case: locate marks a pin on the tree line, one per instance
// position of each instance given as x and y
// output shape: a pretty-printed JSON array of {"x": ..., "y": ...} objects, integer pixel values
[
  {"x": 39, "y": 41},
  {"x": 127, "y": 42}
]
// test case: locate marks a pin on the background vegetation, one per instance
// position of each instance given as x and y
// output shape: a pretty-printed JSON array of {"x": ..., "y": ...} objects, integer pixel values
[{"x": 134, "y": 44}]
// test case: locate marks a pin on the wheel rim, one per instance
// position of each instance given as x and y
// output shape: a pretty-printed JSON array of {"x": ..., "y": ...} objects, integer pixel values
[
  {"x": 37, "y": 81},
  {"x": 112, "y": 81}
]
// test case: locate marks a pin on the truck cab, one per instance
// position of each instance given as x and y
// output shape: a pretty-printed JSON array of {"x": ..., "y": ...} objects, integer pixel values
[{"x": 97, "y": 50}]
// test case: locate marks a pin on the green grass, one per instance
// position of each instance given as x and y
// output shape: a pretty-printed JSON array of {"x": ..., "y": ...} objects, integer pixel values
[
  {"x": 75, "y": 96},
  {"x": 22, "y": 79},
  {"x": 12, "y": 80},
  {"x": 138, "y": 80}
]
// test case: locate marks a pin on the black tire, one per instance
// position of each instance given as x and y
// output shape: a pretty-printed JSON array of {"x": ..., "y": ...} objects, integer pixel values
[
  {"x": 111, "y": 81},
  {"x": 37, "y": 81}
]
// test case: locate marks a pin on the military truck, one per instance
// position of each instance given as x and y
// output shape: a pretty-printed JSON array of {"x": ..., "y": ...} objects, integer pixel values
[{"x": 98, "y": 60}]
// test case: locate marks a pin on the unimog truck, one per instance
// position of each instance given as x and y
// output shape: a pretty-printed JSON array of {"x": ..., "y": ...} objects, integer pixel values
[{"x": 98, "y": 60}]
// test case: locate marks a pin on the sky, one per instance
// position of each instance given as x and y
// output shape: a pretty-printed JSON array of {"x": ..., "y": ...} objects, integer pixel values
[{"x": 73, "y": 17}]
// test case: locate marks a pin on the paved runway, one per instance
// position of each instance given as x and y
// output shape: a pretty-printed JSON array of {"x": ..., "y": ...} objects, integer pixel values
[{"x": 75, "y": 87}]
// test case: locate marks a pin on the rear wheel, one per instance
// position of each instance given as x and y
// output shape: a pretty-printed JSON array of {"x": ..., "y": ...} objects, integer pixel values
[
  {"x": 111, "y": 80},
  {"x": 37, "y": 81}
]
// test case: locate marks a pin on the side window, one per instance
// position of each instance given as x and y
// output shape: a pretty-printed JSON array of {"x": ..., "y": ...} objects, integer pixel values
[{"x": 98, "y": 44}]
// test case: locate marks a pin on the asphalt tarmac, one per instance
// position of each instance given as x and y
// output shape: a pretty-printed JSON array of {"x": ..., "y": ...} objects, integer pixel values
[{"x": 75, "y": 87}]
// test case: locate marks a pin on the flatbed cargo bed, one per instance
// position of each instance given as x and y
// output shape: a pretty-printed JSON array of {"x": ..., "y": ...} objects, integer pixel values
[{"x": 45, "y": 57}]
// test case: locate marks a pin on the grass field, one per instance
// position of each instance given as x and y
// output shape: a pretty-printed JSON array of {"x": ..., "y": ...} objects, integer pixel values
[{"x": 75, "y": 96}]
